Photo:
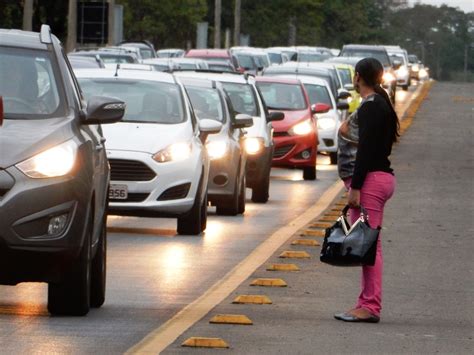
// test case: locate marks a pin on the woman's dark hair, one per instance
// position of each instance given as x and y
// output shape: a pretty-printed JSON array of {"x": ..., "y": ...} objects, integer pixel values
[{"x": 371, "y": 71}]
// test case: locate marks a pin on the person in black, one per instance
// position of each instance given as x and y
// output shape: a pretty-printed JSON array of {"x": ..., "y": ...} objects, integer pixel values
[{"x": 365, "y": 144}]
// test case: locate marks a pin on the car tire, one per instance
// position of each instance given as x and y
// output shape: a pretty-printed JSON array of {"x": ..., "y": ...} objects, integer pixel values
[
  {"x": 204, "y": 214},
  {"x": 309, "y": 173},
  {"x": 333, "y": 158},
  {"x": 71, "y": 296},
  {"x": 242, "y": 196},
  {"x": 405, "y": 87},
  {"x": 231, "y": 206},
  {"x": 191, "y": 223},
  {"x": 261, "y": 192},
  {"x": 99, "y": 268}
]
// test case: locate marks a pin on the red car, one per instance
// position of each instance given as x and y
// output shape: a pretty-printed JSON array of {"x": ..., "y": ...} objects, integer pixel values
[
  {"x": 296, "y": 137},
  {"x": 215, "y": 55}
]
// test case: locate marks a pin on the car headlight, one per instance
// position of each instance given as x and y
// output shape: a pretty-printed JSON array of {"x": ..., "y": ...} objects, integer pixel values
[
  {"x": 326, "y": 123},
  {"x": 253, "y": 145},
  {"x": 54, "y": 162},
  {"x": 423, "y": 73},
  {"x": 415, "y": 67},
  {"x": 388, "y": 77},
  {"x": 302, "y": 128},
  {"x": 217, "y": 149},
  {"x": 402, "y": 71},
  {"x": 174, "y": 152}
]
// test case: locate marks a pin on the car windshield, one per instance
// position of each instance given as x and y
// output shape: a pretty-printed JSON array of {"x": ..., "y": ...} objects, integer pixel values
[
  {"x": 146, "y": 53},
  {"x": 29, "y": 85},
  {"x": 188, "y": 66},
  {"x": 381, "y": 56},
  {"x": 345, "y": 75},
  {"x": 318, "y": 94},
  {"x": 113, "y": 59},
  {"x": 282, "y": 96},
  {"x": 275, "y": 58},
  {"x": 310, "y": 57},
  {"x": 242, "y": 97},
  {"x": 246, "y": 61},
  {"x": 147, "y": 101},
  {"x": 206, "y": 103}
]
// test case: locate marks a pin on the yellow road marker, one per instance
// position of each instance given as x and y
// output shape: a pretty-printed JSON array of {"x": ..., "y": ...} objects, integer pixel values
[
  {"x": 315, "y": 233},
  {"x": 290, "y": 254},
  {"x": 150, "y": 231},
  {"x": 199, "y": 342},
  {"x": 161, "y": 337},
  {"x": 283, "y": 267},
  {"x": 305, "y": 242},
  {"x": 269, "y": 283},
  {"x": 239, "y": 319},
  {"x": 252, "y": 299},
  {"x": 321, "y": 225}
]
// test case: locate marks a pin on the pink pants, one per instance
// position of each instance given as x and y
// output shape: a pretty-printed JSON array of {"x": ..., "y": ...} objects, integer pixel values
[{"x": 377, "y": 189}]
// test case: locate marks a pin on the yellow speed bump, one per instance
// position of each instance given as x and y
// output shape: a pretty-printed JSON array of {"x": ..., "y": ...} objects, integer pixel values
[
  {"x": 231, "y": 319},
  {"x": 321, "y": 225},
  {"x": 314, "y": 233},
  {"x": 290, "y": 254},
  {"x": 305, "y": 242},
  {"x": 269, "y": 283},
  {"x": 199, "y": 342},
  {"x": 252, "y": 299},
  {"x": 283, "y": 267}
]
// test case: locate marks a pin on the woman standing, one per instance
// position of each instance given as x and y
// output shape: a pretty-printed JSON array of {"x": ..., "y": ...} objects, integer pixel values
[{"x": 365, "y": 143}]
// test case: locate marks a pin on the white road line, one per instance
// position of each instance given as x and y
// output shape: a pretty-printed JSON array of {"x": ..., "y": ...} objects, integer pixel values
[{"x": 162, "y": 337}]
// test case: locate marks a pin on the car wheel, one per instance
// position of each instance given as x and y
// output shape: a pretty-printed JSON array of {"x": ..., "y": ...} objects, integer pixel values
[
  {"x": 309, "y": 173},
  {"x": 261, "y": 192},
  {"x": 99, "y": 268},
  {"x": 333, "y": 158},
  {"x": 204, "y": 214},
  {"x": 71, "y": 296},
  {"x": 242, "y": 196},
  {"x": 405, "y": 87},
  {"x": 191, "y": 223},
  {"x": 231, "y": 206}
]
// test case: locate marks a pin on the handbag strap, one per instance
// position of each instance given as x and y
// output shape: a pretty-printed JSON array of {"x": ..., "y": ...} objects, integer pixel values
[{"x": 363, "y": 212}]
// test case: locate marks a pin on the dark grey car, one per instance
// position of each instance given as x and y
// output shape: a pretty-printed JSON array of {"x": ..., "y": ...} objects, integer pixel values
[{"x": 54, "y": 174}]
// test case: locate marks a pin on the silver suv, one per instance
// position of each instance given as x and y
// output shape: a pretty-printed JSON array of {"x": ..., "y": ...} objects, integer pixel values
[{"x": 54, "y": 174}]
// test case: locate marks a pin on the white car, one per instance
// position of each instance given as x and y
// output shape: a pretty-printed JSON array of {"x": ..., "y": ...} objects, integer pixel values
[
  {"x": 329, "y": 113},
  {"x": 159, "y": 165},
  {"x": 258, "y": 143},
  {"x": 402, "y": 73}
]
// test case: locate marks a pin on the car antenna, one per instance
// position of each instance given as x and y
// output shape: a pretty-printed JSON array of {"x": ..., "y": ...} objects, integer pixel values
[{"x": 116, "y": 69}]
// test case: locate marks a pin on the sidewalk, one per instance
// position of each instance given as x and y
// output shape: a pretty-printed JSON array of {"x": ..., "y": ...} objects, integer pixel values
[{"x": 428, "y": 251}]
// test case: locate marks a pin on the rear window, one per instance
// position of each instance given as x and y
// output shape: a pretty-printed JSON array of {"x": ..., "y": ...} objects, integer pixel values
[
  {"x": 245, "y": 61},
  {"x": 206, "y": 103},
  {"x": 345, "y": 75},
  {"x": 381, "y": 56},
  {"x": 242, "y": 97},
  {"x": 275, "y": 58},
  {"x": 29, "y": 84},
  {"x": 147, "y": 101},
  {"x": 282, "y": 96},
  {"x": 318, "y": 94}
]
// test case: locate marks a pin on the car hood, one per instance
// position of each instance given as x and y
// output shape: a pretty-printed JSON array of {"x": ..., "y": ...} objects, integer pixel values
[
  {"x": 145, "y": 137},
  {"x": 291, "y": 118},
  {"x": 22, "y": 139}
]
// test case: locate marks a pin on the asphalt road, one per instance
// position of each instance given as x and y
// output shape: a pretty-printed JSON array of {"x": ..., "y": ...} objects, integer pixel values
[{"x": 153, "y": 276}]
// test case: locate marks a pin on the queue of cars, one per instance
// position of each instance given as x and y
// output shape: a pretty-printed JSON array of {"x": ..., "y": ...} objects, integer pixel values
[{"x": 127, "y": 130}]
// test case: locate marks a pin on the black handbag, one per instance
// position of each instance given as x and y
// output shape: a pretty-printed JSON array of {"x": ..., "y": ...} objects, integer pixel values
[{"x": 346, "y": 245}]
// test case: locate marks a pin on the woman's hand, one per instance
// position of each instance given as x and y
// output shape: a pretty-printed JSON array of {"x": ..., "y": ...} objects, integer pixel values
[
  {"x": 353, "y": 200},
  {"x": 344, "y": 128}
]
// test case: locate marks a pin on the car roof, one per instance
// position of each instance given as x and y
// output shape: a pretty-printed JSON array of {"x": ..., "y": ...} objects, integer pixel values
[
  {"x": 221, "y": 77},
  {"x": 277, "y": 79},
  {"x": 304, "y": 79},
  {"x": 200, "y": 82},
  {"x": 224, "y": 53},
  {"x": 22, "y": 39},
  {"x": 125, "y": 74},
  {"x": 364, "y": 46}
]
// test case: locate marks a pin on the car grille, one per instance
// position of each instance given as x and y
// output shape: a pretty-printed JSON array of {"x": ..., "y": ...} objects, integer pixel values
[
  {"x": 132, "y": 197},
  {"x": 175, "y": 192},
  {"x": 130, "y": 170},
  {"x": 282, "y": 151},
  {"x": 328, "y": 142}
]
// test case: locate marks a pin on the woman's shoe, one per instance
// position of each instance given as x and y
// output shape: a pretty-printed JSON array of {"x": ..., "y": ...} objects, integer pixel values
[{"x": 348, "y": 317}]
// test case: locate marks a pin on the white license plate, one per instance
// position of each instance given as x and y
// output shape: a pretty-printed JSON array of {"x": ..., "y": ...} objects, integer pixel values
[{"x": 118, "y": 192}]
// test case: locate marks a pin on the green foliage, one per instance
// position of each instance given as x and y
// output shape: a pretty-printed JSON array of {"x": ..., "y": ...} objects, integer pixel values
[{"x": 11, "y": 14}]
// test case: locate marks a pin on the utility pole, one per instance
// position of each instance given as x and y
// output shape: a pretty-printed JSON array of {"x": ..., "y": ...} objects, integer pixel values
[
  {"x": 71, "y": 26},
  {"x": 28, "y": 15},
  {"x": 237, "y": 23},
  {"x": 217, "y": 23}
]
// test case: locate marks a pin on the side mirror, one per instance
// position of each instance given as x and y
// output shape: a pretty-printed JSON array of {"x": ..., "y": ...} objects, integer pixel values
[
  {"x": 343, "y": 94},
  {"x": 397, "y": 64},
  {"x": 207, "y": 127},
  {"x": 343, "y": 105},
  {"x": 242, "y": 121},
  {"x": 102, "y": 109},
  {"x": 275, "y": 116},
  {"x": 320, "y": 108},
  {"x": 1, "y": 111},
  {"x": 349, "y": 87}
]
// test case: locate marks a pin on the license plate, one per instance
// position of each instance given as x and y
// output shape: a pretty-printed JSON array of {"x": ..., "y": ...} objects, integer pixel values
[{"x": 118, "y": 192}]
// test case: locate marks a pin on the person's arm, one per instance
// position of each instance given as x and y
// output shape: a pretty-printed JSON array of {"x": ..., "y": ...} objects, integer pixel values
[{"x": 367, "y": 116}]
